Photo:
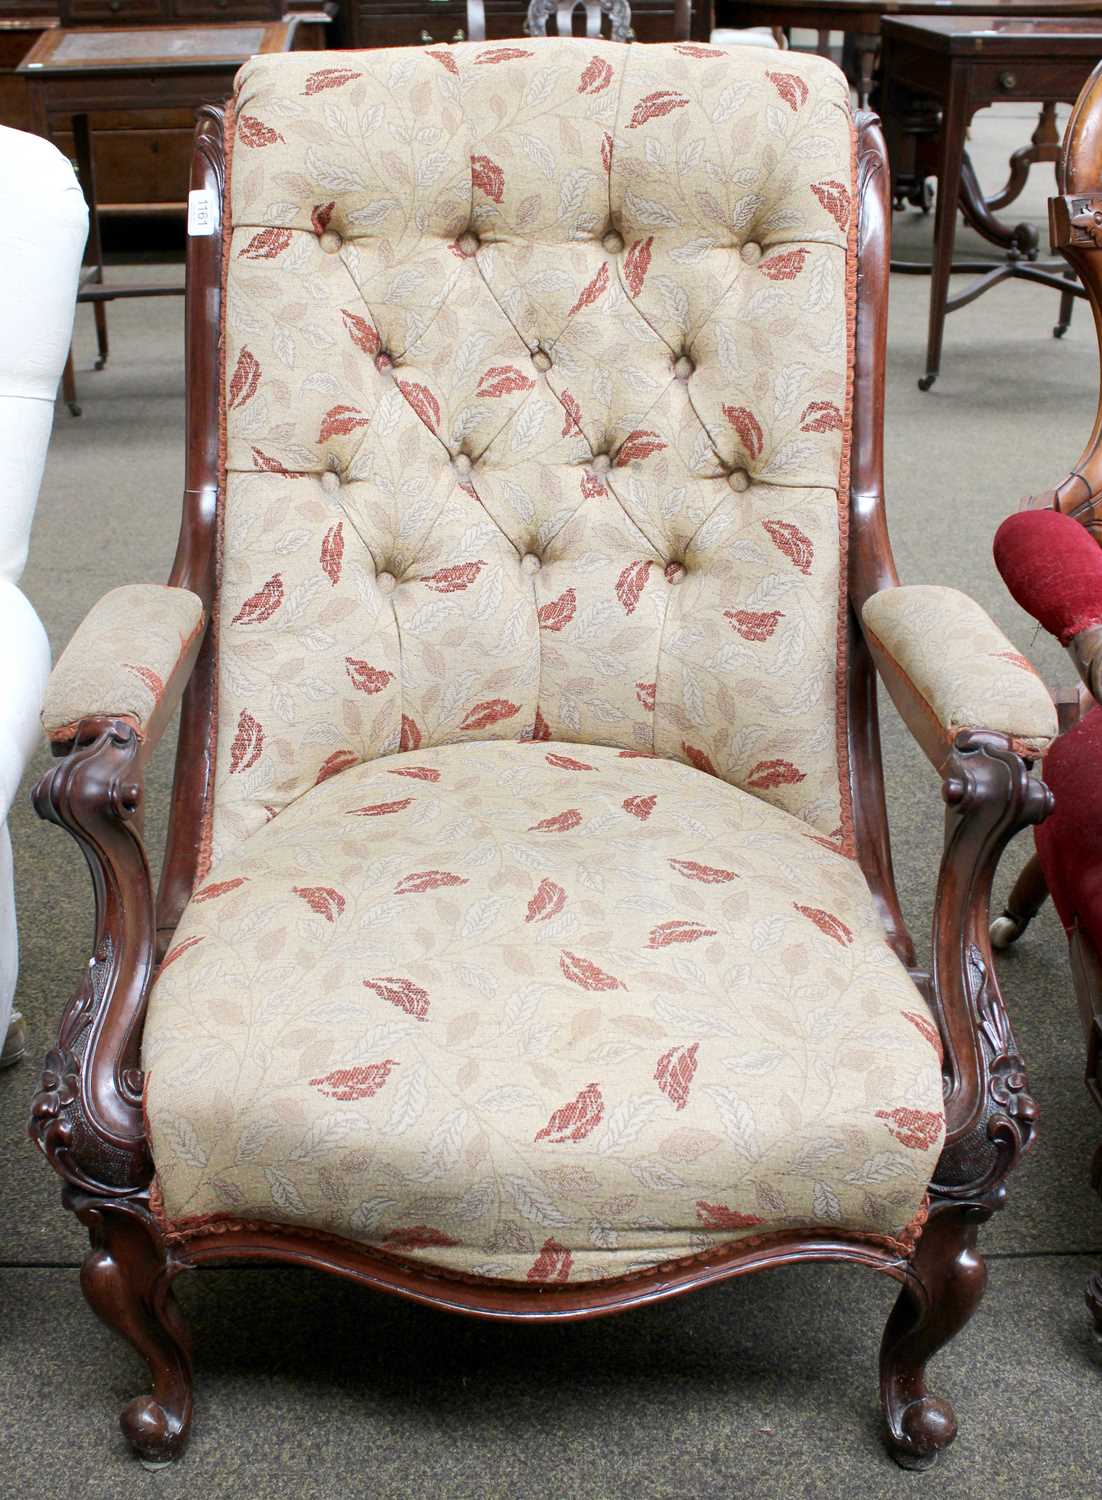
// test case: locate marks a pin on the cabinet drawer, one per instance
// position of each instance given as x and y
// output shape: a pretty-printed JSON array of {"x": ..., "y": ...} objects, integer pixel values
[
  {"x": 85, "y": 12},
  {"x": 227, "y": 10},
  {"x": 374, "y": 26}
]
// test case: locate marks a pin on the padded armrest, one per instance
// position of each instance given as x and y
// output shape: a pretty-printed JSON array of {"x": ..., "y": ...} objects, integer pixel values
[
  {"x": 948, "y": 667},
  {"x": 129, "y": 659}
]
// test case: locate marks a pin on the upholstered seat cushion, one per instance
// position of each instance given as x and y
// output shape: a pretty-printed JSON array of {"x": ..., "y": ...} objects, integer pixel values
[{"x": 539, "y": 1011}]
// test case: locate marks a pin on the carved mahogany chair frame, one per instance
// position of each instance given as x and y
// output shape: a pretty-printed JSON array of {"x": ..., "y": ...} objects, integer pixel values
[{"x": 88, "y": 1118}]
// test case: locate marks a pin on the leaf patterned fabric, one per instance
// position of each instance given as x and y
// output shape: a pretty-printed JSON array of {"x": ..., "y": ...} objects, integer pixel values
[
  {"x": 536, "y": 385},
  {"x": 543, "y": 1012}
]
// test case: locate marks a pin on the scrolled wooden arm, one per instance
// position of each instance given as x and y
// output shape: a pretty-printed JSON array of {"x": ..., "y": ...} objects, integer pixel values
[
  {"x": 87, "y": 1116},
  {"x": 990, "y": 793}
]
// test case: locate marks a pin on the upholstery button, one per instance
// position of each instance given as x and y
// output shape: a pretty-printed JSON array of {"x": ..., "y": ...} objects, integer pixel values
[
  {"x": 386, "y": 582},
  {"x": 751, "y": 252},
  {"x": 739, "y": 480},
  {"x": 530, "y": 563},
  {"x": 684, "y": 367},
  {"x": 600, "y": 463},
  {"x": 541, "y": 359},
  {"x": 330, "y": 482},
  {"x": 330, "y": 241},
  {"x": 675, "y": 572},
  {"x": 467, "y": 244},
  {"x": 462, "y": 465},
  {"x": 613, "y": 242}
]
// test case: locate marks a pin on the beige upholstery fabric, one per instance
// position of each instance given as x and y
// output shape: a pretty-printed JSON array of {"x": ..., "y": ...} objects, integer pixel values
[
  {"x": 122, "y": 657},
  {"x": 961, "y": 664},
  {"x": 536, "y": 385},
  {"x": 543, "y": 1012}
]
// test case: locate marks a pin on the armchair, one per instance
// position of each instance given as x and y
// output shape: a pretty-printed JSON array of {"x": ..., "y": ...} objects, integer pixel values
[{"x": 527, "y": 943}]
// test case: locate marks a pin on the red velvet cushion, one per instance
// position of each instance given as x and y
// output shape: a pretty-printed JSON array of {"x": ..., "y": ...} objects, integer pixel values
[
  {"x": 1053, "y": 567},
  {"x": 1069, "y": 842}
]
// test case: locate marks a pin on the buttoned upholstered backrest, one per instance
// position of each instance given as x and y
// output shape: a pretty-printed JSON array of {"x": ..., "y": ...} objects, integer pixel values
[{"x": 537, "y": 420}]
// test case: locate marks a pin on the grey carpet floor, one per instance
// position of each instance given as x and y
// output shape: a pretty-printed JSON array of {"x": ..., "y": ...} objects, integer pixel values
[{"x": 307, "y": 1387}]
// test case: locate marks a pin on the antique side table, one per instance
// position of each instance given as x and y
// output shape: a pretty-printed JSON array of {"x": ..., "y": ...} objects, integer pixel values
[
  {"x": 964, "y": 63},
  {"x": 74, "y": 72}
]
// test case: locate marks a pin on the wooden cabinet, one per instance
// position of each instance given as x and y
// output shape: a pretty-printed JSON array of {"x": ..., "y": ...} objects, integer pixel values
[
  {"x": 367, "y": 24},
  {"x": 137, "y": 12}
]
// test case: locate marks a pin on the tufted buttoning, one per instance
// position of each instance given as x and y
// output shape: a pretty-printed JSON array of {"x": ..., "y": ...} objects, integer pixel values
[
  {"x": 384, "y": 363},
  {"x": 739, "y": 480},
  {"x": 684, "y": 367},
  {"x": 330, "y": 241},
  {"x": 541, "y": 359},
  {"x": 600, "y": 463},
  {"x": 468, "y": 243},
  {"x": 675, "y": 572},
  {"x": 386, "y": 582},
  {"x": 613, "y": 242},
  {"x": 751, "y": 252},
  {"x": 530, "y": 563},
  {"x": 462, "y": 465},
  {"x": 330, "y": 482}
]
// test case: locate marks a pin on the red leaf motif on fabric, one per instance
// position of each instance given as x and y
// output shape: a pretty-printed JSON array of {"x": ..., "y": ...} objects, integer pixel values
[
  {"x": 541, "y": 730},
  {"x": 220, "y": 888},
  {"x": 743, "y": 420},
  {"x": 834, "y": 196},
  {"x": 631, "y": 583},
  {"x": 557, "y": 612},
  {"x": 266, "y": 245},
  {"x": 417, "y": 1237},
  {"x": 152, "y": 680},
  {"x": 922, "y": 1024},
  {"x": 333, "y": 765},
  {"x": 455, "y": 579},
  {"x": 553, "y": 1263},
  {"x": 328, "y": 78},
  {"x": 821, "y": 416},
  {"x": 692, "y": 49},
  {"x": 645, "y": 692},
  {"x": 572, "y": 423},
  {"x": 698, "y": 759},
  {"x": 418, "y": 773},
  {"x": 322, "y": 899},
  {"x": 640, "y": 807},
  {"x": 638, "y": 444},
  {"x": 548, "y": 901},
  {"x": 654, "y": 106},
  {"x": 350, "y": 1084},
  {"x": 637, "y": 264},
  {"x": 706, "y": 874},
  {"x": 768, "y": 774},
  {"x": 606, "y": 152},
  {"x": 248, "y": 743},
  {"x": 791, "y": 87},
  {"x": 244, "y": 381},
  {"x": 491, "y": 711},
  {"x": 591, "y": 291},
  {"x": 253, "y": 132},
  {"x": 790, "y": 540},
  {"x": 559, "y": 823},
  {"x": 423, "y": 402},
  {"x": 446, "y": 60},
  {"x": 362, "y": 333},
  {"x": 568, "y": 763},
  {"x": 584, "y": 973},
  {"x": 719, "y": 1216},
  {"x": 752, "y": 624},
  {"x": 503, "y": 380},
  {"x": 678, "y": 932},
  {"x": 827, "y": 923},
  {"x": 916, "y": 1129},
  {"x": 380, "y": 809},
  {"x": 488, "y": 176},
  {"x": 1016, "y": 659},
  {"x": 427, "y": 880},
  {"x": 332, "y": 553},
  {"x": 269, "y": 465},
  {"x": 365, "y": 678},
  {"x": 592, "y": 488},
  {"x": 596, "y": 77},
  {"x": 785, "y": 267},
  {"x": 403, "y": 993},
  {"x": 575, "y": 1120},
  {"x": 338, "y": 421},
  {"x": 674, "y": 1073},
  {"x": 410, "y": 737},
  {"x": 502, "y": 54},
  {"x": 178, "y": 951},
  {"x": 320, "y": 215}
]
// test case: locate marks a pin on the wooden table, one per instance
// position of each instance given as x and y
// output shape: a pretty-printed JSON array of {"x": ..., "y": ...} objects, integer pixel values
[
  {"x": 963, "y": 64},
  {"x": 74, "y": 72}
]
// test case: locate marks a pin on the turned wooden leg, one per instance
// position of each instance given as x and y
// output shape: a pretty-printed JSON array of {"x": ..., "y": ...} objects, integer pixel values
[
  {"x": 126, "y": 1280},
  {"x": 1024, "y": 902},
  {"x": 949, "y": 1279},
  {"x": 99, "y": 310}
]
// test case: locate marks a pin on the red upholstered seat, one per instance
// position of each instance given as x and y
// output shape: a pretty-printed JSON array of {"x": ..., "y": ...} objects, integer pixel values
[{"x": 1069, "y": 843}]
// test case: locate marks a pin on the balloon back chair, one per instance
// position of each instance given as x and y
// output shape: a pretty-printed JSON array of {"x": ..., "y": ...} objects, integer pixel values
[{"x": 527, "y": 942}]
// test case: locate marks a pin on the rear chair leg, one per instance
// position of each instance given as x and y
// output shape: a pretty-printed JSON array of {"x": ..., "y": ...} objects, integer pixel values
[{"x": 1026, "y": 899}]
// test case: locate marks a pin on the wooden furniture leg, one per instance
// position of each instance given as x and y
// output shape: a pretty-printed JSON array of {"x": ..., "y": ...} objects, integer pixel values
[
  {"x": 69, "y": 385},
  {"x": 1019, "y": 240},
  {"x": 1024, "y": 902},
  {"x": 867, "y": 47},
  {"x": 1067, "y": 303},
  {"x": 1044, "y": 145},
  {"x": 954, "y": 122},
  {"x": 86, "y": 168}
]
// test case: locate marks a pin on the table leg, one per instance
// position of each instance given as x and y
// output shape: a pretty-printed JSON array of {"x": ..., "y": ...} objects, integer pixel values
[
  {"x": 1067, "y": 302},
  {"x": 867, "y": 48},
  {"x": 823, "y": 43},
  {"x": 86, "y": 168},
  {"x": 69, "y": 385},
  {"x": 954, "y": 122},
  {"x": 1044, "y": 145},
  {"x": 1019, "y": 240}
]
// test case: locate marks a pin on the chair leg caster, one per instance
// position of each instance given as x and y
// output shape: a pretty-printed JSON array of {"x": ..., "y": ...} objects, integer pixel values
[
  {"x": 99, "y": 364},
  {"x": 74, "y": 408},
  {"x": 1005, "y": 930},
  {"x": 927, "y": 381},
  {"x": 1060, "y": 329},
  {"x": 925, "y": 1427}
]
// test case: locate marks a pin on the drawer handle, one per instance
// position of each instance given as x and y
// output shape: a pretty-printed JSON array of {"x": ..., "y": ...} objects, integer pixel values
[
  {"x": 460, "y": 36},
  {"x": 426, "y": 36},
  {"x": 1008, "y": 81}
]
